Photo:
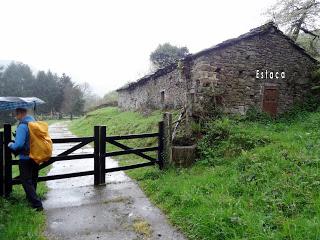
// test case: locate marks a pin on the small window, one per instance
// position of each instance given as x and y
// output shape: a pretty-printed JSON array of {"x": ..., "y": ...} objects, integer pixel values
[
  {"x": 218, "y": 100},
  {"x": 197, "y": 84},
  {"x": 162, "y": 96},
  {"x": 206, "y": 84},
  {"x": 192, "y": 97}
]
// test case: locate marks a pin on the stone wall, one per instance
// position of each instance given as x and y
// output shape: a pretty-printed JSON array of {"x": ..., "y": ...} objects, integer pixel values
[
  {"x": 229, "y": 73},
  {"x": 166, "y": 91}
]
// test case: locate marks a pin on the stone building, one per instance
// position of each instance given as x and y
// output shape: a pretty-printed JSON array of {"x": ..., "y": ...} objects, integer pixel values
[{"x": 262, "y": 68}]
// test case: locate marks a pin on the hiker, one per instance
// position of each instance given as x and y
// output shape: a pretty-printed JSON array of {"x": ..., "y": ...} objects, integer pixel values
[{"x": 29, "y": 169}]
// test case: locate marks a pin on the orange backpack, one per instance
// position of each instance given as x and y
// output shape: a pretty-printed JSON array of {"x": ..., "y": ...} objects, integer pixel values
[{"x": 40, "y": 142}]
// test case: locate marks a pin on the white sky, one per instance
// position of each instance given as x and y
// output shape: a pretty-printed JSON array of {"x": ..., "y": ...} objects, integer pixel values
[{"x": 107, "y": 43}]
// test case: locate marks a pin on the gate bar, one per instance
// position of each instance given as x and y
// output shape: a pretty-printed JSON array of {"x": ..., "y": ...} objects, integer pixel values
[
  {"x": 102, "y": 152},
  {"x": 132, "y": 136},
  {"x": 161, "y": 145},
  {"x": 108, "y": 170},
  {"x": 131, "y": 151},
  {"x": 96, "y": 157},
  {"x": 67, "y": 152},
  {"x": 72, "y": 140},
  {"x": 120, "y": 145},
  {"x": 7, "y": 159},
  {"x": 56, "y": 177},
  {"x": 62, "y": 158},
  {"x": 2, "y": 166}
]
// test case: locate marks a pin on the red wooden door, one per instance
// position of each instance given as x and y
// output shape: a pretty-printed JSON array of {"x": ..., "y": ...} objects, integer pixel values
[{"x": 270, "y": 100}]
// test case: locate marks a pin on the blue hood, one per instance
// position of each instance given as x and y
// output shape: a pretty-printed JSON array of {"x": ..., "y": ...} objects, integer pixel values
[{"x": 27, "y": 119}]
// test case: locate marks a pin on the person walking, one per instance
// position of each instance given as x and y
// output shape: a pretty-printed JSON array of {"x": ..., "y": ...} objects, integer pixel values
[{"x": 29, "y": 169}]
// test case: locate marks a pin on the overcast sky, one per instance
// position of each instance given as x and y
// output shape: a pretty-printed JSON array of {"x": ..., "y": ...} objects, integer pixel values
[{"x": 107, "y": 43}]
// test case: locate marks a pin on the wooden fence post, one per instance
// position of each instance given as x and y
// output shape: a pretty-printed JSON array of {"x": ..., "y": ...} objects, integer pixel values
[
  {"x": 2, "y": 166},
  {"x": 189, "y": 108},
  {"x": 102, "y": 152},
  {"x": 167, "y": 119},
  {"x": 161, "y": 145},
  {"x": 96, "y": 156},
  {"x": 7, "y": 160}
]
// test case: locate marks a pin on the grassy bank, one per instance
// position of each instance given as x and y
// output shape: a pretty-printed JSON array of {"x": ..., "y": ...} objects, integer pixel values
[
  {"x": 17, "y": 219},
  {"x": 255, "y": 180}
]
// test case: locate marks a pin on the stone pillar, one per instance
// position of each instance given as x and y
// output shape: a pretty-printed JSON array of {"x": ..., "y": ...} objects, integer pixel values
[{"x": 167, "y": 120}]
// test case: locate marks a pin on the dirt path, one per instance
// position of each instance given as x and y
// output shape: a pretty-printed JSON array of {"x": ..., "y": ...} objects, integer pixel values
[{"x": 77, "y": 210}]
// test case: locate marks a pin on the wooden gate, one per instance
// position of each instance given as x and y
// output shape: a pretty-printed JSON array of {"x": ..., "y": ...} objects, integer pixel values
[
  {"x": 270, "y": 100},
  {"x": 99, "y": 140}
]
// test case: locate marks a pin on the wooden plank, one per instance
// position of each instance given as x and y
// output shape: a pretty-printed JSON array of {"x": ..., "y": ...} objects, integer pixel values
[
  {"x": 167, "y": 120},
  {"x": 161, "y": 145},
  {"x": 96, "y": 163},
  {"x": 2, "y": 167},
  {"x": 72, "y": 140},
  {"x": 52, "y": 160},
  {"x": 102, "y": 152},
  {"x": 61, "y": 158},
  {"x": 71, "y": 157},
  {"x": 15, "y": 162},
  {"x": 108, "y": 170},
  {"x": 120, "y": 145},
  {"x": 132, "y": 136},
  {"x": 131, "y": 151},
  {"x": 56, "y": 177},
  {"x": 8, "y": 159},
  {"x": 67, "y": 152}
]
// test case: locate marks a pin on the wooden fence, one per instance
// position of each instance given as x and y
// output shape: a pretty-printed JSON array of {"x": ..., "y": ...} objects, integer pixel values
[{"x": 99, "y": 155}]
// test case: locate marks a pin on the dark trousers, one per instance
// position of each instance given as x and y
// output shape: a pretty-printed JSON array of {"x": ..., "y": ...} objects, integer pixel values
[{"x": 29, "y": 172}]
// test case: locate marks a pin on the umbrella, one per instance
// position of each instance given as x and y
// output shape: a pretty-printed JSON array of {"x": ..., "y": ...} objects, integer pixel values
[{"x": 9, "y": 103}]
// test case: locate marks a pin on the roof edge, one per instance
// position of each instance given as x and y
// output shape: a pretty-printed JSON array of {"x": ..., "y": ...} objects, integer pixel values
[{"x": 263, "y": 29}]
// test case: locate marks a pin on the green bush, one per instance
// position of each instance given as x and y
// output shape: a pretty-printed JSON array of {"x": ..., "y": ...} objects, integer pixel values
[
  {"x": 255, "y": 114},
  {"x": 225, "y": 140}
]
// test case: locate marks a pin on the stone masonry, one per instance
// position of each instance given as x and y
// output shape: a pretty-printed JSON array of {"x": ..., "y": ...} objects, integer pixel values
[{"x": 262, "y": 68}]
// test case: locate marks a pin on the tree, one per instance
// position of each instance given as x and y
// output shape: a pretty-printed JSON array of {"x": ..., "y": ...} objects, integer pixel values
[
  {"x": 111, "y": 98},
  {"x": 310, "y": 44},
  {"x": 297, "y": 16},
  {"x": 17, "y": 80},
  {"x": 91, "y": 99},
  {"x": 73, "y": 101},
  {"x": 47, "y": 88},
  {"x": 59, "y": 93},
  {"x": 166, "y": 54}
]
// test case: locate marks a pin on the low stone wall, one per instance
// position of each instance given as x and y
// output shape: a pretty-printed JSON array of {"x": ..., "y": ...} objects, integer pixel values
[{"x": 167, "y": 91}]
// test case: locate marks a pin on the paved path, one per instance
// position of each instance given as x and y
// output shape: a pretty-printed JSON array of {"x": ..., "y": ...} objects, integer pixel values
[{"x": 77, "y": 210}]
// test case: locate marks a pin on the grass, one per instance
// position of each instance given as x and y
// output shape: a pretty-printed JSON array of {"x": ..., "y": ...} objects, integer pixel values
[
  {"x": 18, "y": 220},
  {"x": 255, "y": 180},
  {"x": 119, "y": 123}
]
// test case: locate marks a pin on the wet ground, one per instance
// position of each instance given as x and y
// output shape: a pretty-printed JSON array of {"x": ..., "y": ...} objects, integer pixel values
[{"x": 119, "y": 210}]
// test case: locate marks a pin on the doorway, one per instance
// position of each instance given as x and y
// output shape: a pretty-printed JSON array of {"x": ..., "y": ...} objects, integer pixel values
[{"x": 270, "y": 100}]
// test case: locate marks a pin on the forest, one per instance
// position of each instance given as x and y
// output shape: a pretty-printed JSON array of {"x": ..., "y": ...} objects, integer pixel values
[{"x": 61, "y": 94}]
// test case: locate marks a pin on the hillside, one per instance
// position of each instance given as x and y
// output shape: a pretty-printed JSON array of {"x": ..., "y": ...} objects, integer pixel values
[{"x": 255, "y": 179}]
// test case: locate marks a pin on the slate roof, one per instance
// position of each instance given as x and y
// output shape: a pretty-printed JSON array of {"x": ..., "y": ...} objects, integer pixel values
[{"x": 253, "y": 32}]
